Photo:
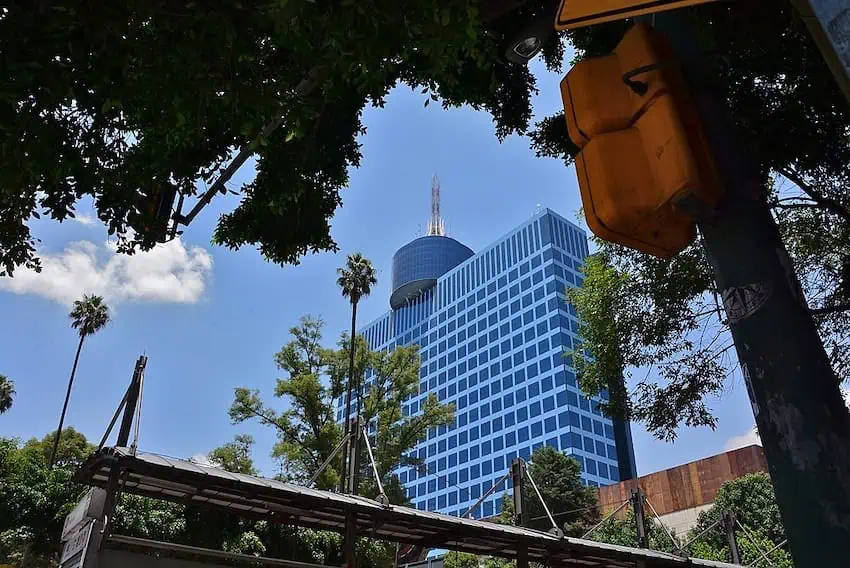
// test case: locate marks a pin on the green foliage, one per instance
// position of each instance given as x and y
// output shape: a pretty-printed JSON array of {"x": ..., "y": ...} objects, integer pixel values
[
  {"x": 621, "y": 530},
  {"x": 559, "y": 478},
  {"x": 194, "y": 83},
  {"x": 7, "y": 393},
  {"x": 772, "y": 77},
  {"x": 73, "y": 449},
  {"x": 750, "y": 547},
  {"x": 641, "y": 312},
  {"x": 235, "y": 456},
  {"x": 89, "y": 315},
  {"x": 356, "y": 278},
  {"x": 153, "y": 519},
  {"x": 663, "y": 318},
  {"x": 307, "y": 431},
  {"x": 460, "y": 560},
  {"x": 752, "y": 501},
  {"x": 34, "y": 498}
]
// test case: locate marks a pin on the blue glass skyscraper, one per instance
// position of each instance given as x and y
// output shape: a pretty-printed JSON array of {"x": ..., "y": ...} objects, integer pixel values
[{"x": 493, "y": 328}]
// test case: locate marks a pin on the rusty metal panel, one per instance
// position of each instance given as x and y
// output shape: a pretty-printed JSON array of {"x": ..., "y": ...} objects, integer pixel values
[{"x": 688, "y": 485}]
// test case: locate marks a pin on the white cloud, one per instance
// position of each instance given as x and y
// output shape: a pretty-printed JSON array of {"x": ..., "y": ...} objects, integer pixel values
[
  {"x": 742, "y": 441},
  {"x": 204, "y": 460},
  {"x": 170, "y": 272},
  {"x": 87, "y": 220}
]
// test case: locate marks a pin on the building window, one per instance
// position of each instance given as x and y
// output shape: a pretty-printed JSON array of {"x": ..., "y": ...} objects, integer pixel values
[
  {"x": 498, "y": 443},
  {"x": 597, "y": 428},
  {"x": 536, "y": 429},
  {"x": 522, "y": 433}
]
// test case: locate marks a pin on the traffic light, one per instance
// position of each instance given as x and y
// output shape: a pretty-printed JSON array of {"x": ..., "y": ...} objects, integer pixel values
[
  {"x": 644, "y": 166},
  {"x": 153, "y": 212}
]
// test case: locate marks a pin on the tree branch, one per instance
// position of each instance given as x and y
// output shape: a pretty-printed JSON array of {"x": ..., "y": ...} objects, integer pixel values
[
  {"x": 827, "y": 203},
  {"x": 830, "y": 309},
  {"x": 283, "y": 431},
  {"x": 798, "y": 206}
]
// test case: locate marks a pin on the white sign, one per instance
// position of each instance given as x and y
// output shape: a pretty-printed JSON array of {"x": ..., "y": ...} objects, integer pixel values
[
  {"x": 76, "y": 544},
  {"x": 89, "y": 507}
]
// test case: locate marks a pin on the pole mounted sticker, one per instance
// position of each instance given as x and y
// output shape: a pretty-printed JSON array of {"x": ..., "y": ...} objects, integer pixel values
[{"x": 741, "y": 302}]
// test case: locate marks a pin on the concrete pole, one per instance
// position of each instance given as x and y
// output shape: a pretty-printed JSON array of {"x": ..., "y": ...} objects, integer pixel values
[{"x": 801, "y": 417}]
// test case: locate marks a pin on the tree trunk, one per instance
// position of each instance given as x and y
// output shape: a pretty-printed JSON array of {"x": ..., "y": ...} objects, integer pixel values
[
  {"x": 346, "y": 416},
  {"x": 801, "y": 417},
  {"x": 65, "y": 406}
]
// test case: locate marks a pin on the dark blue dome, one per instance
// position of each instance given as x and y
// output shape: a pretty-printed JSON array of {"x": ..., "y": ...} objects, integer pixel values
[{"x": 418, "y": 264}]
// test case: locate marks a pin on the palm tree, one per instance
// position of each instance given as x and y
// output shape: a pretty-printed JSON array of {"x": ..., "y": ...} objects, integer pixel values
[
  {"x": 355, "y": 281},
  {"x": 88, "y": 317},
  {"x": 7, "y": 391}
]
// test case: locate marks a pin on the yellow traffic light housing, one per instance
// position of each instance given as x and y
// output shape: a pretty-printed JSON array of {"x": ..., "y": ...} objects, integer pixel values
[{"x": 643, "y": 152}]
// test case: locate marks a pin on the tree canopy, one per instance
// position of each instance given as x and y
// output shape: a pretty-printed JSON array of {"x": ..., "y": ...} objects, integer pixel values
[
  {"x": 89, "y": 315},
  {"x": 663, "y": 319},
  {"x": 131, "y": 101},
  {"x": 750, "y": 498},
  {"x": 142, "y": 98},
  {"x": 7, "y": 393},
  {"x": 34, "y": 498},
  {"x": 558, "y": 477},
  {"x": 308, "y": 430}
]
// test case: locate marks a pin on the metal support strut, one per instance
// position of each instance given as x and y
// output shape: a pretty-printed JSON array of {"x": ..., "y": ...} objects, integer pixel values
[
  {"x": 727, "y": 519},
  {"x": 555, "y": 530},
  {"x": 520, "y": 513},
  {"x": 382, "y": 496},
  {"x": 640, "y": 518},
  {"x": 330, "y": 458},
  {"x": 487, "y": 494}
]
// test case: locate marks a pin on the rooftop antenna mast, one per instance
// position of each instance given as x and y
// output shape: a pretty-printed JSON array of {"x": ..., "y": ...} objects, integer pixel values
[{"x": 435, "y": 224}]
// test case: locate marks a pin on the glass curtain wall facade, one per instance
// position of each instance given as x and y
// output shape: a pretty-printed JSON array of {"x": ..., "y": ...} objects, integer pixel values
[{"x": 493, "y": 331}]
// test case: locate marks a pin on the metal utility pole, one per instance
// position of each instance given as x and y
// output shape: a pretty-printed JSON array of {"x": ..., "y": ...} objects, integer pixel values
[{"x": 801, "y": 417}]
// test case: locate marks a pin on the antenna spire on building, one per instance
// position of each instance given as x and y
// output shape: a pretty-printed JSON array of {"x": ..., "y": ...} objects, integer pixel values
[{"x": 435, "y": 224}]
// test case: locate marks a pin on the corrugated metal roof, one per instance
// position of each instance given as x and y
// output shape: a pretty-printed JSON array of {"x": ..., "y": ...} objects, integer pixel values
[{"x": 191, "y": 483}]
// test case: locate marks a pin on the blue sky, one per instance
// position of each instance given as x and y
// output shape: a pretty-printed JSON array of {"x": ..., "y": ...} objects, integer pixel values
[{"x": 210, "y": 319}]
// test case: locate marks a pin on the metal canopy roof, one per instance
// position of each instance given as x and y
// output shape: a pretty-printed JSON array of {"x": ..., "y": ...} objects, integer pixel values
[{"x": 186, "y": 482}]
